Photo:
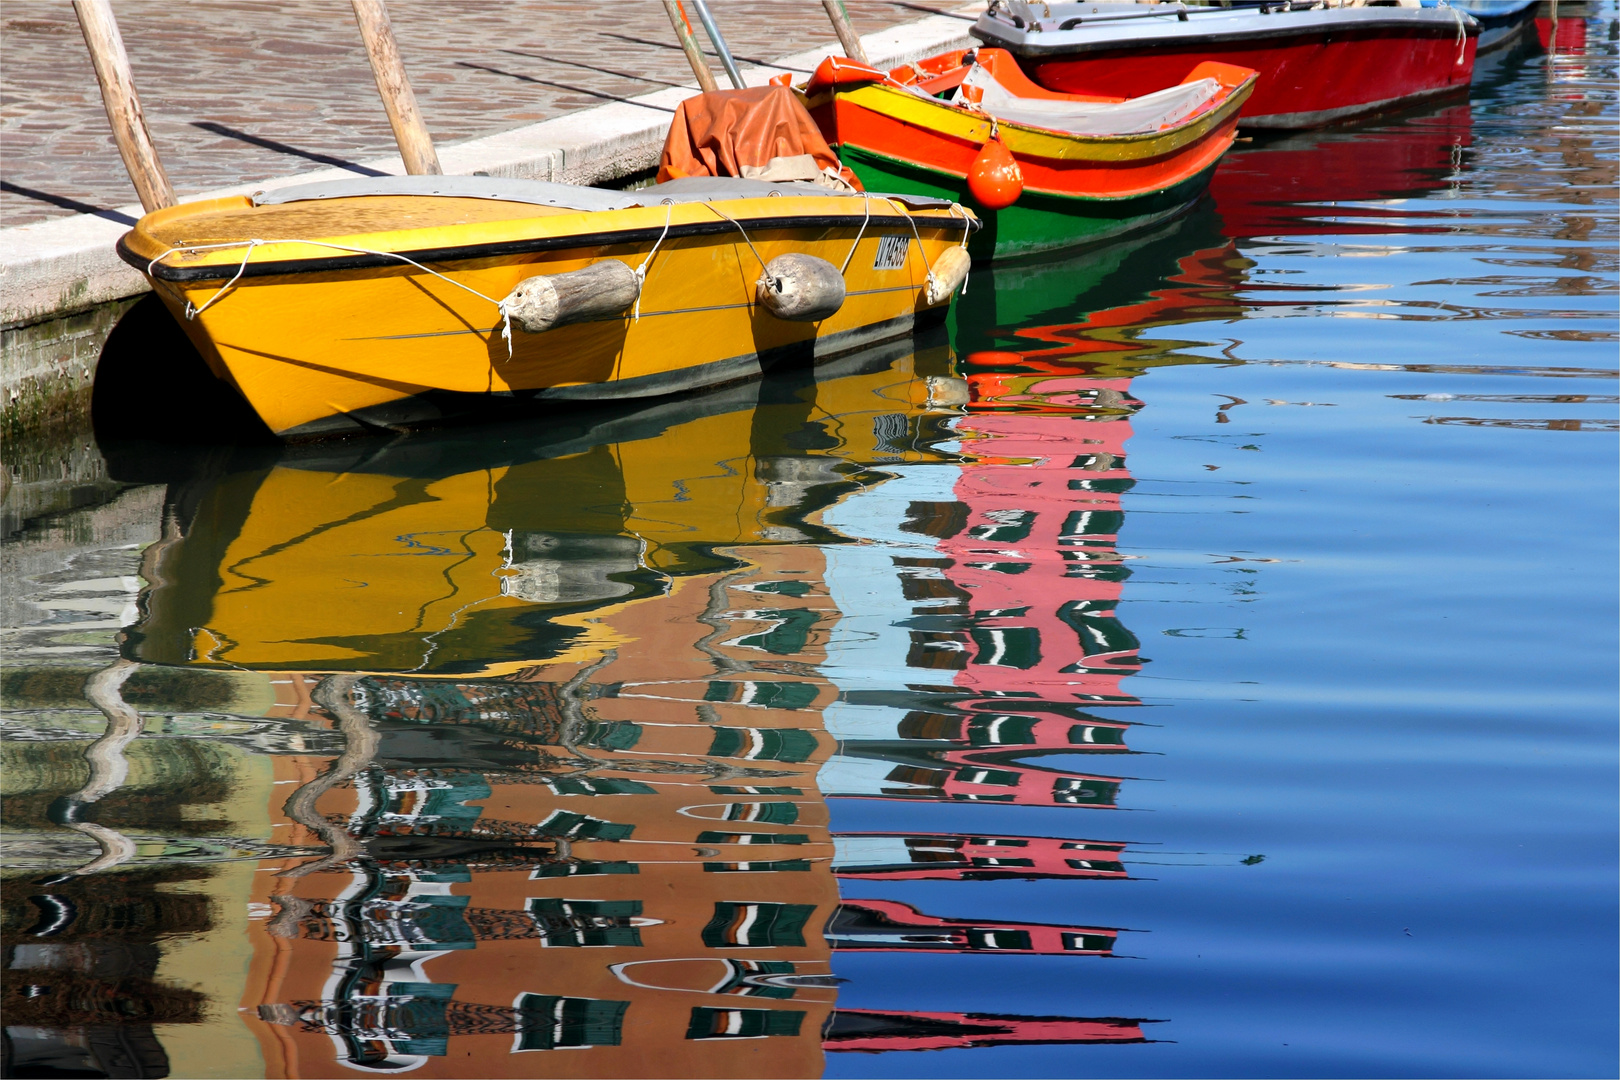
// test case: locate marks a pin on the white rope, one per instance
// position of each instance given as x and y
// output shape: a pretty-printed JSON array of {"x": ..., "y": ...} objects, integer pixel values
[
  {"x": 867, "y": 199},
  {"x": 500, "y": 306},
  {"x": 740, "y": 229},
  {"x": 193, "y": 312},
  {"x": 641, "y": 271},
  {"x": 1462, "y": 35}
]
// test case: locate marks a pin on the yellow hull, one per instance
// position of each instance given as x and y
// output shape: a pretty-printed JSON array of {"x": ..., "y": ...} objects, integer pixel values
[
  {"x": 321, "y": 337},
  {"x": 435, "y": 554}
]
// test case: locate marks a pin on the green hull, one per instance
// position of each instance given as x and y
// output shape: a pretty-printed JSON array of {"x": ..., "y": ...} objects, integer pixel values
[{"x": 1037, "y": 222}]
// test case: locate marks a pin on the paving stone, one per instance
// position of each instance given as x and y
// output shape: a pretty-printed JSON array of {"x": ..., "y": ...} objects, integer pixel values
[{"x": 242, "y": 90}]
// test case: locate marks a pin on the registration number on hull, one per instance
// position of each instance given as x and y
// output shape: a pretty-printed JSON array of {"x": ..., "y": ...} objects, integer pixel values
[{"x": 891, "y": 253}]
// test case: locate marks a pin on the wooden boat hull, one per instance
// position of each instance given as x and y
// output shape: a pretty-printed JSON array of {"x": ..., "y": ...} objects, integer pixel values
[
  {"x": 1077, "y": 189},
  {"x": 324, "y": 342},
  {"x": 1316, "y": 67}
]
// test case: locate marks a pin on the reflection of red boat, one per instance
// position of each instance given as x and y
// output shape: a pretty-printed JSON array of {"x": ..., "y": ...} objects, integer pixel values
[
  {"x": 1562, "y": 35},
  {"x": 1317, "y": 66},
  {"x": 1289, "y": 186},
  {"x": 874, "y": 1031}
]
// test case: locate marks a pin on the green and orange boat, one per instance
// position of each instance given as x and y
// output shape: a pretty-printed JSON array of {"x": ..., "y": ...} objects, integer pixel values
[{"x": 1088, "y": 167}]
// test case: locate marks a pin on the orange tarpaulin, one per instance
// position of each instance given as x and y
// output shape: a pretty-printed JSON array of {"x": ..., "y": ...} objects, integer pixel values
[{"x": 762, "y": 133}]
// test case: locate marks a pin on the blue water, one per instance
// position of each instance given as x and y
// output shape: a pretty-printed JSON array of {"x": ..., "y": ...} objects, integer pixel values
[{"x": 1356, "y": 622}]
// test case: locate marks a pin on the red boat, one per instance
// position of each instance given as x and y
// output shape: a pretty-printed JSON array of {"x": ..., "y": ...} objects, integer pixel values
[{"x": 1317, "y": 65}]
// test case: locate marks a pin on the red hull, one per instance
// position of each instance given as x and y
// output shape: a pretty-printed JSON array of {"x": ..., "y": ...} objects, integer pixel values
[{"x": 1306, "y": 80}]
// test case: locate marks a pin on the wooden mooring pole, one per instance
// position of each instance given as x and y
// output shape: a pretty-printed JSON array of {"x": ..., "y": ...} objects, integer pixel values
[
  {"x": 847, "y": 37},
  {"x": 123, "y": 104},
  {"x": 689, "y": 45},
  {"x": 415, "y": 145}
]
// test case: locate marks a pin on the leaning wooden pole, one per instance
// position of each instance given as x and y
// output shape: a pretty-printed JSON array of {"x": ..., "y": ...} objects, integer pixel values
[
  {"x": 689, "y": 45},
  {"x": 847, "y": 37},
  {"x": 415, "y": 145},
  {"x": 123, "y": 105}
]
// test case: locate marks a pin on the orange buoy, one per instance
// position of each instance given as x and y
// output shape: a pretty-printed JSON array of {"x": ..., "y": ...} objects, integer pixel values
[{"x": 994, "y": 178}]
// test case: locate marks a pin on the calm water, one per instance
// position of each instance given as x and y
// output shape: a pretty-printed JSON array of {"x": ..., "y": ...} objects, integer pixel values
[{"x": 1196, "y": 660}]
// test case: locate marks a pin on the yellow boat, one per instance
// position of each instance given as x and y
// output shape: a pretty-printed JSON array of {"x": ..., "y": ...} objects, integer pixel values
[{"x": 389, "y": 301}]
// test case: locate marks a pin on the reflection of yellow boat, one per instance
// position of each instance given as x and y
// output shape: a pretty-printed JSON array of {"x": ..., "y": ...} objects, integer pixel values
[
  {"x": 375, "y": 302},
  {"x": 445, "y": 554}
]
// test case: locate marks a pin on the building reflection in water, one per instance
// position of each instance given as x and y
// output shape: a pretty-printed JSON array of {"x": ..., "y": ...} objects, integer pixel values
[
  {"x": 483, "y": 745},
  {"x": 548, "y": 754}
]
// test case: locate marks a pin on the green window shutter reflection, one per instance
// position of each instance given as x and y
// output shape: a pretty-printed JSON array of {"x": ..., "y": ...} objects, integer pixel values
[
  {"x": 583, "y": 868},
  {"x": 1099, "y": 632},
  {"x": 1012, "y": 646},
  {"x": 1088, "y": 943},
  {"x": 1087, "y": 734},
  {"x": 587, "y": 923},
  {"x": 757, "y": 925},
  {"x": 419, "y": 1012},
  {"x": 573, "y": 826},
  {"x": 612, "y": 735},
  {"x": 772, "y": 695},
  {"x": 598, "y": 785},
  {"x": 789, "y": 636},
  {"x": 1074, "y": 791},
  {"x": 763, "y": 744},
  {"x": 727, "y": 742},
  {"x": 979, "y": 938},
  {"x": 784, "y": 588},
  {"x": 777, "y": 813},
  {"x": 1004, "y": 526},
  {"x": 548, "y": 1022},
  {"x": 710, "y": 1023},
  {"x": 1001, "y": 730},
  {"x": 756, "y": 866},
  {"x": 751, "y": 838},
  {"x": 1092, "y": 523}
]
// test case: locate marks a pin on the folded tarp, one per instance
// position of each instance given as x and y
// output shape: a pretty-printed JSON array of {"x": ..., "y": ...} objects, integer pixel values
[
  {"x": 761, "y": 133},
  {"x": 1150, "y": 112}
]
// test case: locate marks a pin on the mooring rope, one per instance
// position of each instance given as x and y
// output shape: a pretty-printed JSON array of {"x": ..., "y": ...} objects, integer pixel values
[
  {"x": 252, "y": 244},
  {"x": 867, "y": 199},
  {"x": 740, "y": 229},
  {"x": 641, "y": 271}
]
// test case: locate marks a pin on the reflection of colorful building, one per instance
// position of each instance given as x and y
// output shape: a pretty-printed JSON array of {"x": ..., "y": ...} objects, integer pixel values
[
  {"x": 635, "y": 853},
  {"x": 614, "y": 839}
]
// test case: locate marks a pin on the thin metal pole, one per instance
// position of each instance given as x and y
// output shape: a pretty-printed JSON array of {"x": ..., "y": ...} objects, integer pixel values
[
  {"x": 689, "y": 45},
  {"x": 713, "y": 31}
]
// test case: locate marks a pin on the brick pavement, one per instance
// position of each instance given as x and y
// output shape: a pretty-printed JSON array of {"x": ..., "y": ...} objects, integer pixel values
[{"x": 237, "y": 91}]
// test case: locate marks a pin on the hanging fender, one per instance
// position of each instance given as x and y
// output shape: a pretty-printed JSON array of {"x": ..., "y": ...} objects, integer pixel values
[
  {"x": 800, "y": 288},
  {"x": 546, "y": 301},
  {"x": 994, "y": 178},
  {"x": 947, "y": 273}
]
